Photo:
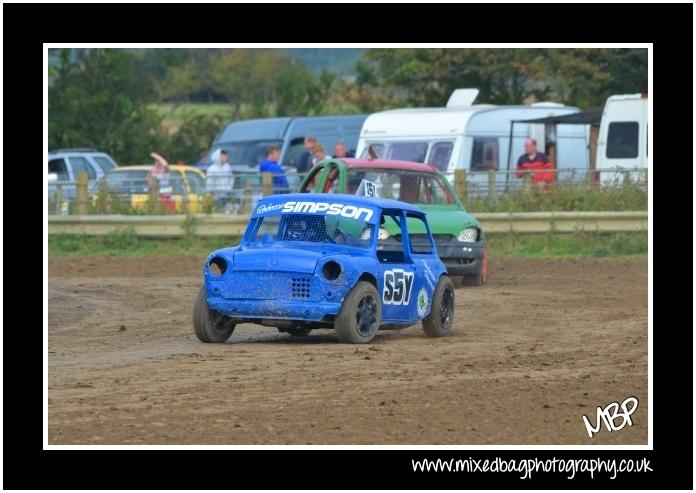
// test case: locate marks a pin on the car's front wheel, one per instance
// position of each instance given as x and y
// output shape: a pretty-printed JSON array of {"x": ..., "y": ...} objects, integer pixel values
[
  {"x": 360, "y": 315},
  {"x": 439, "y": 321},
  {"x": 209, "y": 325}
]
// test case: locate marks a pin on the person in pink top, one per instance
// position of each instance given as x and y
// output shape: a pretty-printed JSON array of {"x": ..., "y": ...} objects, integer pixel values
[{"x": 160, "y": 172}]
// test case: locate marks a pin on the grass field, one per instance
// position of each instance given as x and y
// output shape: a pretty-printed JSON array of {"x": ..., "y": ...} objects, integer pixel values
[
  {"x": 573, "y": 245},
  {"x": 566, "y": 197},
  {"x": 174, "y": 115}
]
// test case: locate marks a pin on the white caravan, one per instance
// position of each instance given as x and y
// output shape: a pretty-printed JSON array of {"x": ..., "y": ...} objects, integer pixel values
[
  {"x": 474, "y": 137},
  {"x": 623, "y": 135}
]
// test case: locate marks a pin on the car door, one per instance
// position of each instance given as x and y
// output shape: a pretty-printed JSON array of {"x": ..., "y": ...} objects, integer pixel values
[
  {"x": 196, "y": 187},
  {"x": 397, "y": 272},
  {"x": 80, "y": 164},
  {"x": 59, "y": 167},
  {"x": 425, "y": 265}
]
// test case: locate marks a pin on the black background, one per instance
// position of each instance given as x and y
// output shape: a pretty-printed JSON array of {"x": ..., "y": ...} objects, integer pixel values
[{"x": 26, "y": 27}]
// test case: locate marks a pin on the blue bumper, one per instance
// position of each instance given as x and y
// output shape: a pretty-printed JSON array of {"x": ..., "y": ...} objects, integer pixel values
[{"x": 281, "y": 309}]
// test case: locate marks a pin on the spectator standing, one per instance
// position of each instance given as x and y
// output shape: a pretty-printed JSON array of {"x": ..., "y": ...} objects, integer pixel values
[
  {"x": 304, "y": 163},
  {"x": 219, "y": 178},
  {"x": 536, "y": 162},
  {"x": 340, "y": 150},
  {"x": 270, "y": 165},
  {"x": 319, "y": 153},
  {"x": 160, "y": 172}
]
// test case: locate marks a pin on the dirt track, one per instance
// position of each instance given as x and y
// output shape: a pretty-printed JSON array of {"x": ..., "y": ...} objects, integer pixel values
[{"x": 541, "y": 345}]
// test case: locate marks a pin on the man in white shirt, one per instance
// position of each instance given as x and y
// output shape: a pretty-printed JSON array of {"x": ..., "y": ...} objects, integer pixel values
[{"x": 219, "y": 179}]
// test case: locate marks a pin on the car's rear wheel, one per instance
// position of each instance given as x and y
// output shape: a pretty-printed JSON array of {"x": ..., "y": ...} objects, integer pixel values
[
  {"x": 360, "y": 315},
  {"x": 439, "y": 321},
  {"x": 209, "y": 325}
]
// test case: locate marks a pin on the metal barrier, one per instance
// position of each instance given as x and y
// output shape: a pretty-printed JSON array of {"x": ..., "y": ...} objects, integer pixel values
[{"x": 234, "y": 225}]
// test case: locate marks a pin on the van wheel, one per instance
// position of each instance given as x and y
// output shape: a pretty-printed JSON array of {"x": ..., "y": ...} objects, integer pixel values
[
  {"x": 439, "y": 322},
  {"x": 209, "y": 325},
  {"x": 360, "y": 315}
]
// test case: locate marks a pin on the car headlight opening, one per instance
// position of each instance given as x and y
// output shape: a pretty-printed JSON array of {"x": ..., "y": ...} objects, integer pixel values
[
  {"x": 217, "y": 266},
  {"x": 468, "y": 235},
  {"x": 331, "y": 270}
]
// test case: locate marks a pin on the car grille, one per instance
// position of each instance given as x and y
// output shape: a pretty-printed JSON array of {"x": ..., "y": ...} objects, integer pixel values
[{"x": 300, "y": 287}]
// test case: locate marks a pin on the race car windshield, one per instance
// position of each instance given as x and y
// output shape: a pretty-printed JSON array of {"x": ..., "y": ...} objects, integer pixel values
[
  {"x": 414, "y": 187},
  {"x": 314, "y": 228}
]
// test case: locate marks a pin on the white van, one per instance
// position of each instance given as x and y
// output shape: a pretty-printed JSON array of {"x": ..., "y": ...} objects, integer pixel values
[
  {"x": 474, "y": 137},
  {"x": 623, "y": 135}
]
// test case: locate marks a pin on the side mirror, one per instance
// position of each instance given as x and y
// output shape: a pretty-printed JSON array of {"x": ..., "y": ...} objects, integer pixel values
[{"x": 52, "y": 177}]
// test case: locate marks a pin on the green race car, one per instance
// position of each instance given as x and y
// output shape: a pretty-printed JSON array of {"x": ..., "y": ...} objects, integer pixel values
[{"x": 460, "y": 241}]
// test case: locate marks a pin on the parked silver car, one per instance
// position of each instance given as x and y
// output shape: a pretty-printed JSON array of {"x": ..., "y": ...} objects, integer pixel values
[{"x": 65, "y": 164}]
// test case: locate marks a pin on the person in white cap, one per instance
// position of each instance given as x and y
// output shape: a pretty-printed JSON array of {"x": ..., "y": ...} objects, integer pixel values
[
  {"x": 219, "y": 178},
  {"x": 160, "y": 172}
]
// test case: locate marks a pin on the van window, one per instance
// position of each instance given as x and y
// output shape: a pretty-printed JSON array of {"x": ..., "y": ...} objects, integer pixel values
[
  {"x": 57, "y": 166},
  {"x": 484, "y": 154},
  {"x": 251, "y": 152},
  {"x": 79, "y": 165},
  {"x": 408, "y": 151},
  {"x": 295, "y": 150},
  {"x": 377, "y": 147},
  {"x": 440, "y": 155},
  {"x": 622, "y": 140}
]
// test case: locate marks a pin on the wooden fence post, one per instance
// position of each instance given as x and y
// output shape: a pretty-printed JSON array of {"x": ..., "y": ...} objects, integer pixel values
[
  {"x": 82, "y": 193},
  {"x": 185, "y": 199},
  {"x": 102, "y": 202},
  {"x": 246, "y": 199},
  {"x": 59, "y": 198},
  {"x": 460, "y": 185},
  {"x": 154, "y": 196},
  {"x": 267, "y": 183}
]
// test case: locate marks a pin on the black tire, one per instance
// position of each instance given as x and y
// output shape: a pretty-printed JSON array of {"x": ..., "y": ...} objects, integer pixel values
[
  {"x": 360, "y": 315},
  {"x": 298, "y": 331},
  {"x": 439, "y": 321},
  {"x": 209, "y": 325}
]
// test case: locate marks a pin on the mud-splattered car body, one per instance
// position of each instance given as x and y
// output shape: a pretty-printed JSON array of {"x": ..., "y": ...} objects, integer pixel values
[{"x": 303, "y": 254}]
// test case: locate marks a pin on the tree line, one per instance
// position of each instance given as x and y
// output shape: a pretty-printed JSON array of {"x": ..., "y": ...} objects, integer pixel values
[{"x": 104, "y": 97}]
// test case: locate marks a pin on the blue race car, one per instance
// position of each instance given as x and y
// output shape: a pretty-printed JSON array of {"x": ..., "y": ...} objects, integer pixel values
[{"x": 309, "y": 261}]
